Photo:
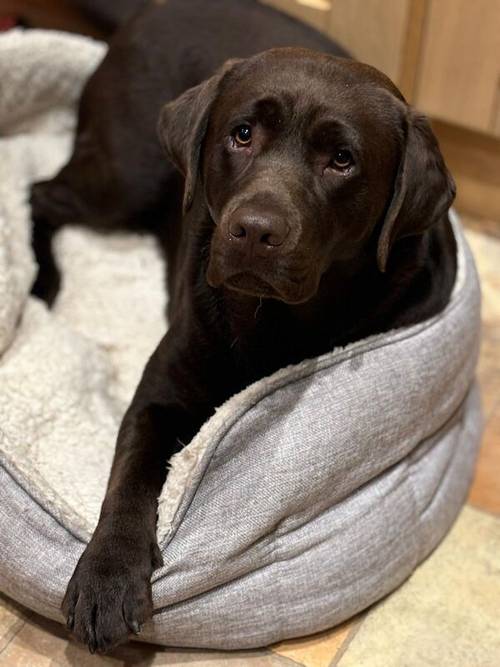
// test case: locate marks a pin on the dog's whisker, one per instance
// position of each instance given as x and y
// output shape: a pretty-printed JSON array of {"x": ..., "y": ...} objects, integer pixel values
[{"x": 258, "y": 308}]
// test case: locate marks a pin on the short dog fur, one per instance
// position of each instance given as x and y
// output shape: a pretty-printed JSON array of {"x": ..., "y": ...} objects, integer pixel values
[{"x": 308, "y": 210}]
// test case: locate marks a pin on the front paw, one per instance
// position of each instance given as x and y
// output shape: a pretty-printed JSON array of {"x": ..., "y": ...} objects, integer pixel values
[{"x": 109, "y": 594}]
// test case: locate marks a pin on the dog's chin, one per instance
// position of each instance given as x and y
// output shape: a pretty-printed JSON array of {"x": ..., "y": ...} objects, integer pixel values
[{"x": 250, "y": 284}]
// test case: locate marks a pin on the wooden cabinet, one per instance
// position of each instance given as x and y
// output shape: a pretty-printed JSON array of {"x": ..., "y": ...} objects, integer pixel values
[
  {"x": 459, "y": 71},
  {"x": 373, "y": 30}
]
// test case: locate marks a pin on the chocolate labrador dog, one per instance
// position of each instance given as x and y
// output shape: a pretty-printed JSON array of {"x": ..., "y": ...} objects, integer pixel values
[{"x": 314, "y": 213}]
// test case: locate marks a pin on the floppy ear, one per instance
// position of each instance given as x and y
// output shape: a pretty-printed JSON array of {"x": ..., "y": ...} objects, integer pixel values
[
  {"x": 424, "y": 188},
  {"x": 183, "y": 124}
]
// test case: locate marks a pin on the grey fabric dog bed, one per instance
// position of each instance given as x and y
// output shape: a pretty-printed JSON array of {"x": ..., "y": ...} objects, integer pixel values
[{"x": 307, "y": 497}]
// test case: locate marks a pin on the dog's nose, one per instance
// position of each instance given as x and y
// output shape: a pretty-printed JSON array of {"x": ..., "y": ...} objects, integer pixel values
[{"x": 258, "y": 229}]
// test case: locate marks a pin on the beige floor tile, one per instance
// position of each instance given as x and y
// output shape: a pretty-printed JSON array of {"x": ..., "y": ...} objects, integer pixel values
[
  {"x": 43, "y": 643},
  {"x": 489, "y": 369},
  {"x": 317, "y": 650},
  {"x": 486, "y": 251},
  {"x": 216, "y": 659},
  {"x": 12, "y": 619},
  {"x": 485, "y": 491},
  {"x": 447, "y": 614}
]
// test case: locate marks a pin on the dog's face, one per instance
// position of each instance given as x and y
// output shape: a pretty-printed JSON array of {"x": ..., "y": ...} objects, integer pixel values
[{"x": 303, "y": 158}]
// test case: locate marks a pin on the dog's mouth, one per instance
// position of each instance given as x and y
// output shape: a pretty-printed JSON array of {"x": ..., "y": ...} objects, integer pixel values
[
  {"x": 291, "y": 286},
  {"x": 252, "y": 285}
]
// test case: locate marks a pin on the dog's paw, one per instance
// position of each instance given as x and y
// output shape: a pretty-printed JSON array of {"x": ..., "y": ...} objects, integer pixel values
[{"x": 109, "y": 596}]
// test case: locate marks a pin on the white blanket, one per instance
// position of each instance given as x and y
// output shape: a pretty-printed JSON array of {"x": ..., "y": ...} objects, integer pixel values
[{"x": 65, "y": 375}]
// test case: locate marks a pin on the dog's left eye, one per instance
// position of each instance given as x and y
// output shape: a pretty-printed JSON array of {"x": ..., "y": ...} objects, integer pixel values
[
  {"x": 242, "y": 135},
  {"x": 341, "y": 160}
]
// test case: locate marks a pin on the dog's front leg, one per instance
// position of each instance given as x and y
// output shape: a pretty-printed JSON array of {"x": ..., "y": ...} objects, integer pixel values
[{"x": 109, "y": 595}]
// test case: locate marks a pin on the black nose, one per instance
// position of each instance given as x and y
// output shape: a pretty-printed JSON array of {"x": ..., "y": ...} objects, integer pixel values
[{"x": 258, "y": 229}]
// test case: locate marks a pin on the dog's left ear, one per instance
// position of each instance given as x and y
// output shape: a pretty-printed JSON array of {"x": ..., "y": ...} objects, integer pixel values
[
  {"x": 423, "y": 191},
  {"x": 183, "y": 124}
]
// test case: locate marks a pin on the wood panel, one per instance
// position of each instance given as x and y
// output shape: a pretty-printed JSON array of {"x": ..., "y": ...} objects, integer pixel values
[
  {"x": 411, "y": 48},
  {"x": 375, "y": 31},
  {"x": 496, "y": 110},
  {"x": 474, "y": 160},
  {"x": 460, "y": 63},
  {"x": 314, "y": 12}
]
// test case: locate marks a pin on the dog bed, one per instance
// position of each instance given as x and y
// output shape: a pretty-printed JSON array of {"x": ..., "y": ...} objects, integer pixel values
[{"x": 303, "y": 500}]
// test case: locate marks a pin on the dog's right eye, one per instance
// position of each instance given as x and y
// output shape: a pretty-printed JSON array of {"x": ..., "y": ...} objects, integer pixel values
[
  {"x": 242, "y": 135},
  {"x": 342, "y": 160}
]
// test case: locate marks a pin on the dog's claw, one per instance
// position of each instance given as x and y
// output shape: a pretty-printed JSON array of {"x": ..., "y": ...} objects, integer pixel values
[
  {"x": 104, "y": 606},
  {"x": 135, "y": 627}
]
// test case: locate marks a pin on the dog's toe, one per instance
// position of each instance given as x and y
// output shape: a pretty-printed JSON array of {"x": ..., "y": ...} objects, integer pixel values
[{"x": 102, "y": 610}]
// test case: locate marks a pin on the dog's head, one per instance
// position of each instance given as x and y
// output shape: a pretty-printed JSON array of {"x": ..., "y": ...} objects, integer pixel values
[{"x": 303, "y": 158}]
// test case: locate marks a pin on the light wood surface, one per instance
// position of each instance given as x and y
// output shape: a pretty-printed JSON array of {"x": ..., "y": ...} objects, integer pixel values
[
  {"x": 410, "y": 57},
  {"x": 314, "y": 12},
  {"x": 458, "y": 79},
  {"x": 474, "y": 160},
  {"x": 373, "y": 30}
]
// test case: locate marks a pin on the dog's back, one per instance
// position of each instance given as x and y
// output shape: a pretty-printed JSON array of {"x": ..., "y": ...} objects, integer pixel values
[{"x": 118, "y": 177}]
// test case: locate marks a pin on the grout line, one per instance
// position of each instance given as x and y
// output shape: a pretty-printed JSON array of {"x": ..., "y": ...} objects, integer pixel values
[
  {"x": 11, "y": 634},
  {"x": 347, "y": 641},
  {"x": 284, "y": 659}
]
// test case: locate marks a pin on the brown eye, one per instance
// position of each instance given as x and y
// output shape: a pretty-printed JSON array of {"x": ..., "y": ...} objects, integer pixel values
[
  {"x": 342, "y": 159},
  {"x": 243, "y": 135}
]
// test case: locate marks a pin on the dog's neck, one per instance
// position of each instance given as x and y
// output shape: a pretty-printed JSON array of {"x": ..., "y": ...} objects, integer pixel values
[
  {"x": 273, "y": 334},
  {"x": 354, "y": 300}
]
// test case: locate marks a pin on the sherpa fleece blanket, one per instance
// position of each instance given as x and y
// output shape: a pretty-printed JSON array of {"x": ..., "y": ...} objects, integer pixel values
[{"x": 306, "y": 498}]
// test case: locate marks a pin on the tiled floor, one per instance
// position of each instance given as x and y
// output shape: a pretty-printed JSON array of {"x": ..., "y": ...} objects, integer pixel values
[{"x": 447, "y": 614}]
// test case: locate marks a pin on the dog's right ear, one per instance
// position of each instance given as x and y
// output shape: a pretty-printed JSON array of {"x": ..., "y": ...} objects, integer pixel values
[{"x": 183, "y": 124}]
